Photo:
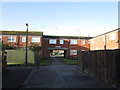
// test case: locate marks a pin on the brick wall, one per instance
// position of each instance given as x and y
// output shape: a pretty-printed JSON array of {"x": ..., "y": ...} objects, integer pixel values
[
  {"x": 106, "y": 41},
  {"x": 19, "y": 40},
  {"x": 111, "y": 41},
  {"x": 78, "y": 47}
]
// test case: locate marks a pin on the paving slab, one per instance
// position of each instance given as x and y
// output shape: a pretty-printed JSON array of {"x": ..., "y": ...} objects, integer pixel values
[
  {"x": 59, "y": 75},
  {"x": 14, "y": 76}
]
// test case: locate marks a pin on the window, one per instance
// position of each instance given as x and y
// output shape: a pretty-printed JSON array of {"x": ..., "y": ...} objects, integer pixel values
[
  {"x": 73, "y": 41},
  {"x": 91, "y": 41},
  {"x": 11, "y": 39},
  {"x": 112, "y": 36},
  {"x": 73, "y": 52},
  {"x": 52, "y": 41},
  {"x": 61, "y": 41},
  {"x": 83, "y": 42},
  {"x": 23, "y": 39},
  {"x": 35, "y": 39}
]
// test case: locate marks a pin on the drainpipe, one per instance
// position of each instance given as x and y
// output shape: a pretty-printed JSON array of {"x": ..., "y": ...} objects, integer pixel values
[{"x": 105, "y": 43}]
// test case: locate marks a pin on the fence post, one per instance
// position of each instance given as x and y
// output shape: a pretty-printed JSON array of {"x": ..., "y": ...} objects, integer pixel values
[
  {"x": 36, "y": 52},
  {"x": 4, "y": 60},
  {"x": 80, "y": 60},
  {"x": 117, "y": 67}
]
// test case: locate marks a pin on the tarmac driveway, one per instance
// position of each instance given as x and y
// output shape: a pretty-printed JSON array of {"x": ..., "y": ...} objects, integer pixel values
[{"x": 59, "y": 75}]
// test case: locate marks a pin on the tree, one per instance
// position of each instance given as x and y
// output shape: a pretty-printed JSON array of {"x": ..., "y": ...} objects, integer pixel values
[{"x": 36, "y": 48}]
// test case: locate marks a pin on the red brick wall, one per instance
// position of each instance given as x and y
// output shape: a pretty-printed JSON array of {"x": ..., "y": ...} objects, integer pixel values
[
  {"x": 46, "y": 45},
  {"x": 99, "y": 42},
  {"x": 78, "y": 47},
  {"x": 22, "y": 44},
  {"x": 19, "y": 40},
  {"x": 45, "y": 52},
  {"x": 4, "y": 39},
  {"x": 112, "y": 44}
]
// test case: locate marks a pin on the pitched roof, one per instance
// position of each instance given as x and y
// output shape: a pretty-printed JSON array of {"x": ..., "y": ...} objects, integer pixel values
[
  {"x": 21, "y": 33},
  {"x": 118, "y": 29},
  {"x": 66, "y": 37}
]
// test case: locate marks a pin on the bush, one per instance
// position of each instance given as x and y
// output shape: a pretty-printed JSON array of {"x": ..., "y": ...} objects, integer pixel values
[
  {"x": 9, "y": 46},
  {"x": 34, "y": 46}
]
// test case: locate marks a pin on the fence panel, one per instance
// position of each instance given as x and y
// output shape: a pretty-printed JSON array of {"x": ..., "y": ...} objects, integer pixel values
[
  {"x": 117, "y": 66},
  {"x": 18, "y": 56},
  {"x": 103, "y": 64},
  {"x": 85, "y": 56}
]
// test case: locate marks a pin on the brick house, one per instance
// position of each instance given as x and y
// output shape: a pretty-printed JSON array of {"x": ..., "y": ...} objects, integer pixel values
[
  {"x": 18, "y": 38},
  {"x": 109, "y": 40},
  {"x": 69, "y": 44}
]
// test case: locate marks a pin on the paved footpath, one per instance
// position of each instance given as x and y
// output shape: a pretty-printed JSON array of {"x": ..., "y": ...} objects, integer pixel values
[{"x": 59, "y": 75}]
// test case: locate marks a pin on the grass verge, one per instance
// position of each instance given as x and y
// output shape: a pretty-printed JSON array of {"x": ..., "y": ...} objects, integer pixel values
[
  {"x": 69, "y": 61},
  {"x": 45, "y": 62},
  {"x": 59, "y": 55}
]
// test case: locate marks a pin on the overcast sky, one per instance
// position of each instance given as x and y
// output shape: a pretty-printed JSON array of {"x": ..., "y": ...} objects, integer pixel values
[{"x": 61, "y": 18}]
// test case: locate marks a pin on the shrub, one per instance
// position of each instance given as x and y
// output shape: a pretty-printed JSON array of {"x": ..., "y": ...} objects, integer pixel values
[
  {"x": 9, "y": 46},
  {"x": 35, "y": 46}
]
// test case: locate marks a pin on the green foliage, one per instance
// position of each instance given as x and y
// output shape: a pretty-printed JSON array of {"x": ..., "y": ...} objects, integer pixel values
[
  {"x": 45, "y": 62},
  {"x": 35, "y": 46},
  {"x": 59, "y": 55},
  {"x": 69, "y": 61},
  {"x": 8, "y": 45}
]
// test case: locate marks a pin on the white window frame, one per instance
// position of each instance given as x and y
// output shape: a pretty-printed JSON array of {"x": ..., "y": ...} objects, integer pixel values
[
  {"x": 73, "y": 41},
  {"x": 83, "y": 42},
  {"x": 12, "y": 39},
  {"x": 61, "y": 41},
  {"x": 35, "y": 40},
  {"x": 23, "y": 39},
  {"x": 52, "y": 41},
  {"x": 73, "y": 52},
  {"x": 112, "y": 36},
  {"x": 92, "y": 41}
]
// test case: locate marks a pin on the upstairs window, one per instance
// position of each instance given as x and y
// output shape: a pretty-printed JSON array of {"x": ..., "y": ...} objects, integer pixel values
[
  {"x": 112, "y": 36},
  {"x": 23, "y": 39},
  {"x": 91, "y": 41},
  {"x": 83, "y": 42},
  {"x": 11, "y": 39},
  {"x": 52, "y": 41},
  {"x": 73, "y": 41},
  {"x": 73, "y": 52},
  {"x": 35, "y": 39},
  {"x": 61, "y": 41}
]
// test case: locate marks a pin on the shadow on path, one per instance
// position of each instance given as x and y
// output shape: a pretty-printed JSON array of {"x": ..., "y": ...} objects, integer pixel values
[{"x": 59, "y": 75}]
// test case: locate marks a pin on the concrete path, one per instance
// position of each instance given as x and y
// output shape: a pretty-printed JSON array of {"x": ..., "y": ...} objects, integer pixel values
[{"x": 59, "y": 75}]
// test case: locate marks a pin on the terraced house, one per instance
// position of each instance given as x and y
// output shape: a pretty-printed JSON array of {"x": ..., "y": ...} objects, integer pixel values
[
  {"x": 106, "y": 41},
  {"x": 69, "y": 45}
]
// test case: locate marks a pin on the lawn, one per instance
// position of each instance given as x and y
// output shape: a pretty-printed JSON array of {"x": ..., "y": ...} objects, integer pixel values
[
  {"x": 59, "y": 55},
  {"x": 69, "y": 61},
  {"x": 45, "y": 62}
]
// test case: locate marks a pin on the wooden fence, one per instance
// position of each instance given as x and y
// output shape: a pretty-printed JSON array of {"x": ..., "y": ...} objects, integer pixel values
[{"x": 103, "y": 64}]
